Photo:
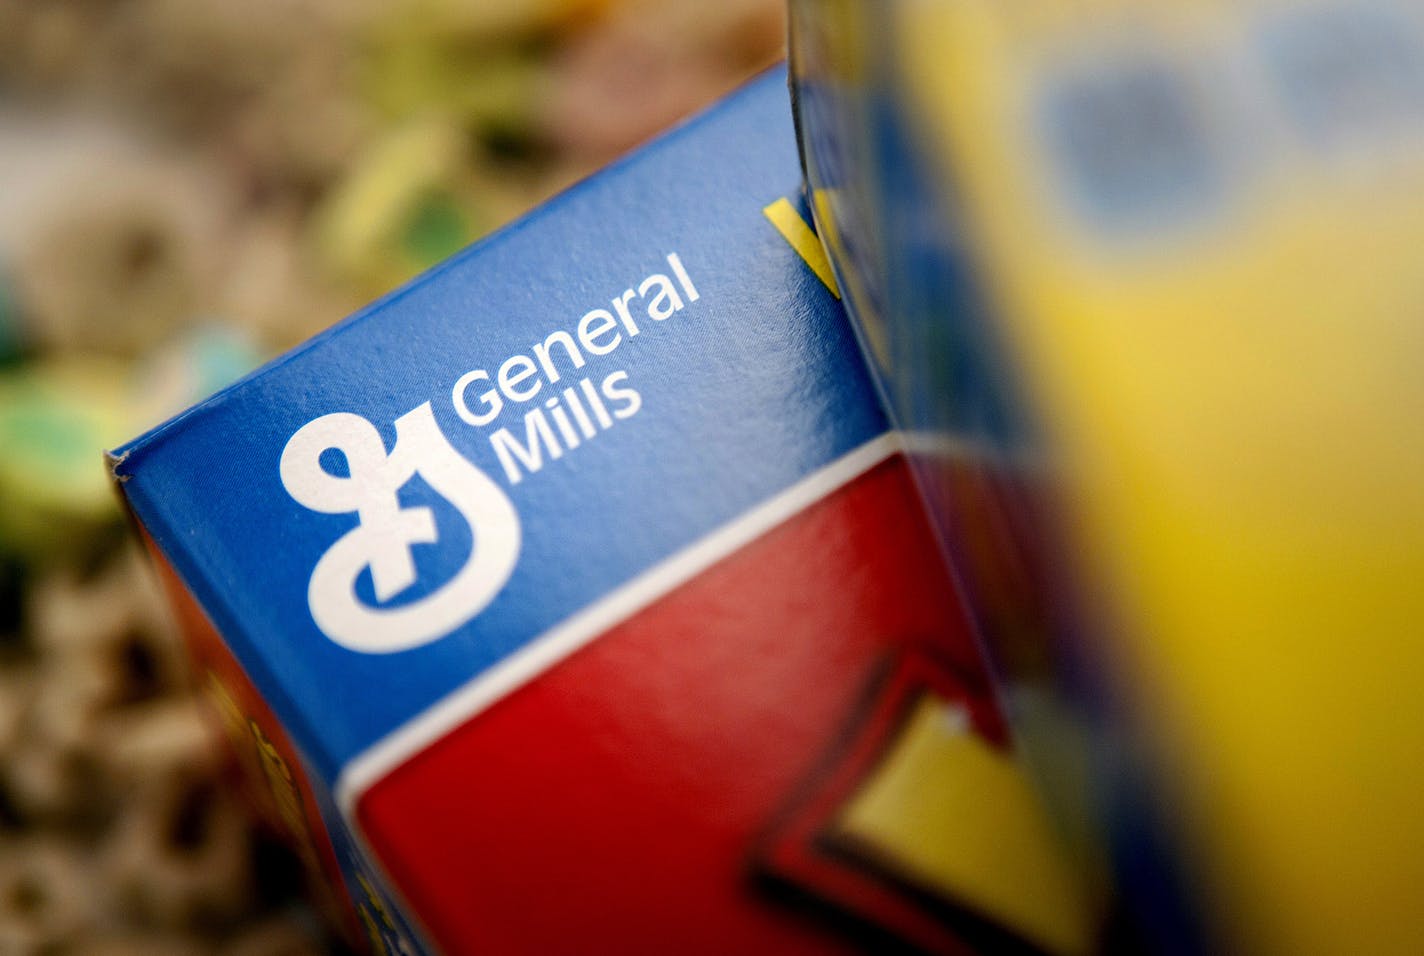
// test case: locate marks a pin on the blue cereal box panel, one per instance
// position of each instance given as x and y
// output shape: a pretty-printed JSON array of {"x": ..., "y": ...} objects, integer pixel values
[{"x": 576, "y": 596}]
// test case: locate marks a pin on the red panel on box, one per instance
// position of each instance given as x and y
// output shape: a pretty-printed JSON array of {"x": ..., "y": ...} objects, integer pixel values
[
  {"x": 621, "y": 799},
  {"x": 274, "y": 775}
]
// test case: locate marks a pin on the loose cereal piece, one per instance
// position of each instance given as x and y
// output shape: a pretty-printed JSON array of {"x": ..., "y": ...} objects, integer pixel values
[
  {"x": 113, "y": 623},
  {"x": 55, "y": 416},
  {"x": 46, "y": 895},
  {"x": 181, "y": 856},
  {"x": 53, "y": 785},
  {"x": 164, "y": 738},
  {"x": 128, "y": 255}
]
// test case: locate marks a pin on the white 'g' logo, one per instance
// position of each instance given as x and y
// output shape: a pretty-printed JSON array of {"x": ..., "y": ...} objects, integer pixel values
[{"x": 386, "y": 531}]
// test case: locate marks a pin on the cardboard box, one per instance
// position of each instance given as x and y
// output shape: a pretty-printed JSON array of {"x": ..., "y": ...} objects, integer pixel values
[
  {"x": 1146, "y": 272},
  {"x": 576, "y": 597}
]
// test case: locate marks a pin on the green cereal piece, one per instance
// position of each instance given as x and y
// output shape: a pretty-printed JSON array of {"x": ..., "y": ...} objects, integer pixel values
[{"x": 56, "y": 418}]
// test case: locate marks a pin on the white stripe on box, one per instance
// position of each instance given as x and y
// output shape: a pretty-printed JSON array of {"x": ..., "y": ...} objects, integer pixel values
[{"x": 566, "y": 637}]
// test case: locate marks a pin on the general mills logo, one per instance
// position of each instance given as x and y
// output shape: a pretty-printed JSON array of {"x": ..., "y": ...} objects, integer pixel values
[{"x": 386, "y": 532}]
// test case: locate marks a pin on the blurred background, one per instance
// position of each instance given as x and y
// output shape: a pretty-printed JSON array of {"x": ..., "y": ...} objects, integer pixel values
[{"x": 186, "y": 189}]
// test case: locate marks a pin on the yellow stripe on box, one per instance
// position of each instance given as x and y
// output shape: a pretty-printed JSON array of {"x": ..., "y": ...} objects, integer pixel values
[{"x": 803, "y": 239}]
